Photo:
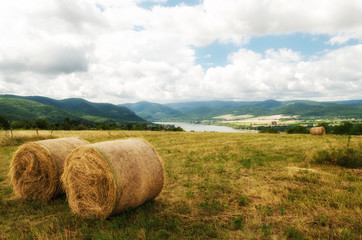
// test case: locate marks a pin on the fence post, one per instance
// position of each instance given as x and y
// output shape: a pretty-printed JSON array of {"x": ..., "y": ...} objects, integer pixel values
[{"x": 11, "y": 131}]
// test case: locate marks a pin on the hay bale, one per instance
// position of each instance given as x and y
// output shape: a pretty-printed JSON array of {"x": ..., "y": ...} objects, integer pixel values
[
  {"x": 107, "y": 178},
  {"x": 318, "y": 131},
  {"x": 37, "y": 166}
]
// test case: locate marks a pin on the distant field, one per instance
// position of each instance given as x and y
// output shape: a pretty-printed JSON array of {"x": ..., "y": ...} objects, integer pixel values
[
  {"x": 217, "y": 186},
  {"x": 258, "y": 121},
  {"x": 274, "y": 120}
]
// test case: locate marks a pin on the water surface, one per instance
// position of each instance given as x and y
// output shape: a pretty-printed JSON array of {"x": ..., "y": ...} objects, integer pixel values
[{"x": 206, "y": 128}]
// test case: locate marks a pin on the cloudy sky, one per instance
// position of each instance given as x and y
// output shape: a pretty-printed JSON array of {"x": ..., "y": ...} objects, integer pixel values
[{"x": 122, "y": 51}]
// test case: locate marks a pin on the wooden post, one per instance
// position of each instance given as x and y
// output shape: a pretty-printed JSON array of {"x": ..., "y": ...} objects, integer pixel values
[{"x": 11, "y": 131}]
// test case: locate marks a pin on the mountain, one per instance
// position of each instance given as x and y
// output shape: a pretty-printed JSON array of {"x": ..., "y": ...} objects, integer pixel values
[
  {"x": 268, "y": 104},
  {"x": 198, "y": 111},
  {"x": 321, "y": 110},
  {"x": 350, "y": 102},
  {"x": 16, "y": 109},
  {"x": 22, "y": 108},
  {"x": 152, "y": 111},
  {"x": 189, "y": 106}
]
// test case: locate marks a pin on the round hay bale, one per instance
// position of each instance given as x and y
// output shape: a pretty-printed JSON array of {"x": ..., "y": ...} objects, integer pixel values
[
  {"x": 318, "y": 131},
  {"x": 107, "y": 178},
  {"x": 37, "y": 166}
]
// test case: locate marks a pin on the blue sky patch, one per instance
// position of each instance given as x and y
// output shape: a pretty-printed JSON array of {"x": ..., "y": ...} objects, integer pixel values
[
  {"x": 306, "y": 44},
  {"x": 100, "y": 7},
  {"x": 169, "y": 3},
  {"x": 216, "y": 54}
]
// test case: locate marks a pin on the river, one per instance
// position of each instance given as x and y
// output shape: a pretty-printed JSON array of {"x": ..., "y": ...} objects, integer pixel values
[{"x": 205, "y": 128}]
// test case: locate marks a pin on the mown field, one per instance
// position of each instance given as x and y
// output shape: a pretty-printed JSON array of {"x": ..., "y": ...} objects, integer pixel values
[{"x": 217, "y": 186}]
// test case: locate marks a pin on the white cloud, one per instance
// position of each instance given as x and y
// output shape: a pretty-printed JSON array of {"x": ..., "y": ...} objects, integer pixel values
[
  {"x": 116, "y": 51},
  {"x": 278, "y": 75}
]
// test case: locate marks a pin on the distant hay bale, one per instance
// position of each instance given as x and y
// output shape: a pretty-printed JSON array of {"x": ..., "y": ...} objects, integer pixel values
[
  {"x": 107, "y": 178},
  {"x": 318, "y": 131},
  {"x": 37, "y": 166}
]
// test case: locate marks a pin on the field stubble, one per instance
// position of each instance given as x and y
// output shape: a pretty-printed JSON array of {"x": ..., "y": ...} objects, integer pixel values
[{"x": 217, "y": 185}]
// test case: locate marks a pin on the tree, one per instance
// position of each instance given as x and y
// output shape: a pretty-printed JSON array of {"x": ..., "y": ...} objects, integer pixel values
[
  {"x": 357, "y": 129},
  {"x": 66, "y": 124},
  {"x": 41, "y": 123},
  {"x": 268, "y": 130},
  {"x": 344, "y": 128},
  {"x": 4, "y": 124},
  {"x": 298, "y": 129}
]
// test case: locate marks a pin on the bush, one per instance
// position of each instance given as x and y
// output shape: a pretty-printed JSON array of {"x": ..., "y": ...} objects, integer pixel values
[
  {"x": 357, "y": 129},
  {"x": 345, "y": 128},
  {"x": 298, "y": 129},
  {"x": 269, "y": 130}
]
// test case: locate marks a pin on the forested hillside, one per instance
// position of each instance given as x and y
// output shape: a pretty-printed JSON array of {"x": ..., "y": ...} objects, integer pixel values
[
  {"x": 197, "y": 111},
  {"x": 17, "y": 108}
]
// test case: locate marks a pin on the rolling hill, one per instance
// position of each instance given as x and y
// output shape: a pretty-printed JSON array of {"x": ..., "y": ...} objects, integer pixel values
[
  {"x": 19, "y": 108},
  {"x": 152, "y": 111},
  {"x": 198, "y": 111}
]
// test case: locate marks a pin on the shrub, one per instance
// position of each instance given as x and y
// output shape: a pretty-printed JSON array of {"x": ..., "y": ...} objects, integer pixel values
[
  {"x": 345, "y": 128},
  {"x": 298, "y": 129},
  {"x": 357, "y": 129},
  {"x": 269, "y": 130}
]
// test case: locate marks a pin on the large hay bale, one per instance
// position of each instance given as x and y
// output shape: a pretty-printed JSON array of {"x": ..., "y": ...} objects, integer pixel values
[
  {"x": 317, "y": 131},
  {"x": 107, "y": 178},
  {"x": 37, "y": 166}
]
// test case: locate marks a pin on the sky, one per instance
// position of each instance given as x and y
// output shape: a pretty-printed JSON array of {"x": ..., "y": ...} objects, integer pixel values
[{"x": 175, "y": 51}]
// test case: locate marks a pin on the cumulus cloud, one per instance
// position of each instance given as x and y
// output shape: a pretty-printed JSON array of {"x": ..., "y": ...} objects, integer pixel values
[
  {"x": 47, "y": 59},
  {"x": 236, "y": 21},
  {"x": 116, "y": 51},
  {"x": 281, "y": 74}
]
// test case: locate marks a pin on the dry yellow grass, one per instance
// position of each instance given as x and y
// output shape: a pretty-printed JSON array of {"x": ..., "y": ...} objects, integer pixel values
[{"x": 217, "y": 186}]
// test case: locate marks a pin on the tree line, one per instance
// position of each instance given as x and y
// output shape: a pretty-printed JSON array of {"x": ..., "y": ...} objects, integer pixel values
[
  {"x": 69, "y": 124},
  {"x": 345, "y": 128}
]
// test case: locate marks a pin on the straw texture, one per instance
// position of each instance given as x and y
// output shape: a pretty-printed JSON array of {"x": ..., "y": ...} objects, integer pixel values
[
  {"x": 107, "y": 178},
  {"x": 317, "y": 131},
  {"x": 37, "y": 166}
]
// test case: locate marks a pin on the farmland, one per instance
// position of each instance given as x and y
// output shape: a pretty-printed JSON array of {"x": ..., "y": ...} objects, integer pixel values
[{"x": 217, "y": 186}]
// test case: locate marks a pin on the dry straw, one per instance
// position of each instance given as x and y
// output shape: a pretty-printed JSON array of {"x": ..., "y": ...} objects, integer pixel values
[
  {"x": 318, "y": 131},
  {"x": 37, "y": 166},
  {"x": 107, "y": 178}
]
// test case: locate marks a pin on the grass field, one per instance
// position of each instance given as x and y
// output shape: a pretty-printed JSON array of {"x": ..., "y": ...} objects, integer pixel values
[{"x": 217, "y": 185}]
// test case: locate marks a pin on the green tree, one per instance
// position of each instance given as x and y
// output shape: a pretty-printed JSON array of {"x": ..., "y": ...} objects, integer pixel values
[
  {"x": 298, "y": 129},
  {"x": 269, "y": 130},
  {"x": 357, "y": 129},
  {"x": 41, "y": 123},
  {"x": 66, "y": 124},
  {"x": 4, "y": 124},
  {"x": 344, "y": 128}
]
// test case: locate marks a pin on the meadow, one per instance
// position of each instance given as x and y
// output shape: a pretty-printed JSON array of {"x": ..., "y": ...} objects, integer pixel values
[{"x": 217, "y": 186}]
